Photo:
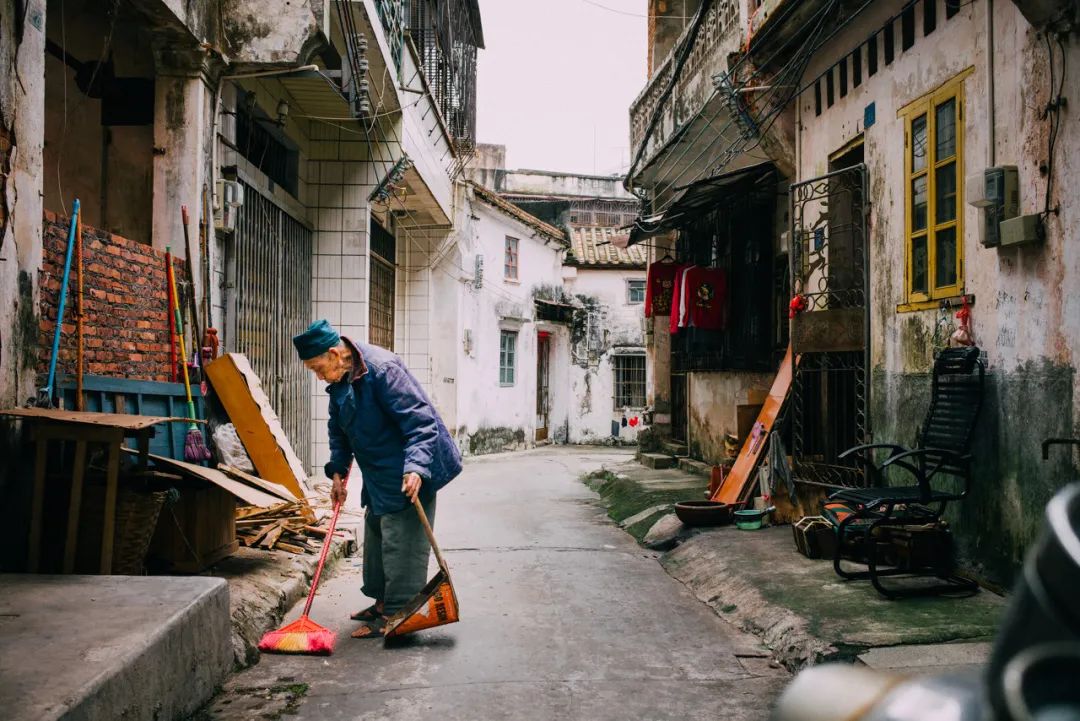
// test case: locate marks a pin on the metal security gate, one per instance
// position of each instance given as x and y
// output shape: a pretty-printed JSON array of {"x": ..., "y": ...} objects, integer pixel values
[
  {"x": 829, "y": 270},
  {"x": 268, "y": 272}
]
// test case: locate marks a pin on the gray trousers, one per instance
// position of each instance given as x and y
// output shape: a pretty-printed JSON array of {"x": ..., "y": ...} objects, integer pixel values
[{"x": 396, "y": 553}]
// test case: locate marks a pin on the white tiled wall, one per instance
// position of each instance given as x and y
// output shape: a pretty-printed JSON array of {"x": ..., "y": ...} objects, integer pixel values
[{"x": 340, "y": 182}]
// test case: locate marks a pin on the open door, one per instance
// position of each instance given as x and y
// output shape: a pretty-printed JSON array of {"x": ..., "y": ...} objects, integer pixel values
[{"x": 543, "y": 396}]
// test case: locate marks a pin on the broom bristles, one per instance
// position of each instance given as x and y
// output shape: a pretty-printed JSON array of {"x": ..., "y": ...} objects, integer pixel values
[
  {"x": 301, "y": 636},
  {"x": 195, "y": 447}
]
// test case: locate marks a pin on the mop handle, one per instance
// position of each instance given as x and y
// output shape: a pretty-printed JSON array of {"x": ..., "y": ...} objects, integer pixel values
[
  {"x": 63, "y": 298},
  {"x": 325, "y": 550},
  {"x": 430, "y": 534}
]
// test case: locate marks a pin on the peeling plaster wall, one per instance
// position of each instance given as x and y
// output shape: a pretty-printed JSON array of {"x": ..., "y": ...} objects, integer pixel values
[
  {"x": 270, "y": 32},
  {"x": 1027, "y": 313},
  {"x": 592, "y": 386},
  {"x": 22, "y": 97},
  {"x": 714, "y": 401},
  {"x": 492, "y": 417}
]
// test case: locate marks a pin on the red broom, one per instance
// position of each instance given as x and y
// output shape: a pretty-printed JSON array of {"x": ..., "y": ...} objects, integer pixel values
[{"x": 304, "y": 635}]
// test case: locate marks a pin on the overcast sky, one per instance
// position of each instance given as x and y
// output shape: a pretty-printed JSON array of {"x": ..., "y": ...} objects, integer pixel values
[{"x": 556, "y": 81}]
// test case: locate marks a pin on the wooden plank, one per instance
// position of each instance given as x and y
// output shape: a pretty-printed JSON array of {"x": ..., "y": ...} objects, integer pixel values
[
  {"x": 109, "y": 420},
  {"x": 271, "y": 488},
  {"x": 739, "y": 482},
  {"x": 257, "y": 425},
  {"x": 37, "y": 505},
  {"x": 283, "y": 546},
  {"x": 247, "y": 494},
  {"x": 74, "y": 506},
  {"x": 272, "y": 536},
  {"x": 260, "y": 534},
  {"x": 112, "y": 480}
]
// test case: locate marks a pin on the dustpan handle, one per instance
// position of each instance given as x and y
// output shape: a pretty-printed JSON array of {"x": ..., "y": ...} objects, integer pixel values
[{"x": 430, "y": 534}]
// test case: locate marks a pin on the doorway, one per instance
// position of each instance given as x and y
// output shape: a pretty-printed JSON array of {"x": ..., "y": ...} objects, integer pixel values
[{"x": 543, "y": 376}]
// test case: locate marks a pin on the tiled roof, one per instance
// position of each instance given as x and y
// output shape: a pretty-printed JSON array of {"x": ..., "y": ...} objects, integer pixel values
[
  {"x": 592, "y": 246},
  {"x": 492, "y": 198}
]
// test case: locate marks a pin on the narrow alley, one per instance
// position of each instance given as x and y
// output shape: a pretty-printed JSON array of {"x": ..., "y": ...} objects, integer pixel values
[{"x": 564, "y": 616}]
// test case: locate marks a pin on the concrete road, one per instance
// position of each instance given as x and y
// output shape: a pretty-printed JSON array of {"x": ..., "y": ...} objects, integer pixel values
[{"x": 563, "y": 617}]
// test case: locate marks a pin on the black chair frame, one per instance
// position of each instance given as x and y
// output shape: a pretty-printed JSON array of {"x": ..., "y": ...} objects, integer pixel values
[{"x": 943, "y": 450}]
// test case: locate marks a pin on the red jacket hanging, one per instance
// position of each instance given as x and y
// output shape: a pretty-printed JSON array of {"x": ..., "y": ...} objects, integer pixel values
[
  {"x": 706, "y": 297},
  {"x": 659, "y": 287}
]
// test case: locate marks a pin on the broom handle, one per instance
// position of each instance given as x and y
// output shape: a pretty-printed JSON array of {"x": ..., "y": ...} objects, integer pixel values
[
  {"x": 430, "y": 534},
  {"x": 183, "y": 350},
  {"x": 327, "y": 542}
]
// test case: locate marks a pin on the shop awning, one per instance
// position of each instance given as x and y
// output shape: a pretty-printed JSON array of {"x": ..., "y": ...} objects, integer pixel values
[{"x": 699, "y": 198}]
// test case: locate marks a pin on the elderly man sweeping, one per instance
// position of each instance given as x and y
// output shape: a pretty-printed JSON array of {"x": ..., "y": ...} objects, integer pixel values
[{"x": 380, "y": 415}]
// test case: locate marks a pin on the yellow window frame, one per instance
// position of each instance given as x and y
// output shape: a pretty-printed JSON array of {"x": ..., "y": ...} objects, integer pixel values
[{"x": 925, "y": 107}]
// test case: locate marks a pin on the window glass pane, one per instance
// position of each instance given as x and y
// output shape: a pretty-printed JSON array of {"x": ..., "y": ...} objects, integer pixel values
[
  {"x": 945, "y": 262},
  {"x": 635, "y": 291},
  {"x": 945, "y": 193},
  {"x": 918, "y": 264},
  {"x": 945, "y": 130},
  {"x": 918, "y": 203},
  {"x": 918, "y": 143}
]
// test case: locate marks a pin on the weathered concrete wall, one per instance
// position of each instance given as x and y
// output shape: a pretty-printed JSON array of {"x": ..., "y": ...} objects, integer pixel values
[
  {"x": 267, "y": 32},
  {"x": 714, "y": 401},
  {"x": 22, "y": 97},
  {"x": 541, "y": 182},
  {"x": 1025, "y": 316},
  {"x": 592, "y": 385}
]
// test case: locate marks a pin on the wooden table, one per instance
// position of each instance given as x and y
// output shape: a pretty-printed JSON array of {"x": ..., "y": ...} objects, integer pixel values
[{"x": 111, "y": 429}]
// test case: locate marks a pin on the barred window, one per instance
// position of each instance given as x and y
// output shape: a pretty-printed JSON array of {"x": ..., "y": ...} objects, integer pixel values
[
  {"x": 507, "y": 357},
  {"x": 629, "y": 381}
]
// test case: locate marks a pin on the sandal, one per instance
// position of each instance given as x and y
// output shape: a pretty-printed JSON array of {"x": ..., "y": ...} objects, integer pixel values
[
  {"x": 371, "y": 629},
  {"x": 368, "y": 614}
]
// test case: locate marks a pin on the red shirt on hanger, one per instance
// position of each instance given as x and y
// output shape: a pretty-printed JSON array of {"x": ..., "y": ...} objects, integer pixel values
[
  {"x": 706, "y": 297},
  {"x": 659, "y": 288}
]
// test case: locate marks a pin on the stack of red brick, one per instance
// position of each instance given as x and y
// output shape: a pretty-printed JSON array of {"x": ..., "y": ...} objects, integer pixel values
[{"x": 125, "y": 326}]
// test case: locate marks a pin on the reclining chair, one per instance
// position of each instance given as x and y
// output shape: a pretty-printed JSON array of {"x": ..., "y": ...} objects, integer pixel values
[{"x": 863, "y": 517}]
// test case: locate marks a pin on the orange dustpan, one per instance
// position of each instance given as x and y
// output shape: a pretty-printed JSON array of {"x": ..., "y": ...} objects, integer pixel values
[{"x": 436, "y": 604}]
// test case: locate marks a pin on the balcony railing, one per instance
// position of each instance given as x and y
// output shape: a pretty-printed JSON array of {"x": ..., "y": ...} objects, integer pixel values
[
  {"x": 392, "y": 16},
  {"x": 719, "y": 35}
]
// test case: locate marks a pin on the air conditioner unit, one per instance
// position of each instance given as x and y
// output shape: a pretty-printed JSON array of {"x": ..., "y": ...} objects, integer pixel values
[
  {"x": 997, "y": 191},
  {"x": 230, "y": 197}
]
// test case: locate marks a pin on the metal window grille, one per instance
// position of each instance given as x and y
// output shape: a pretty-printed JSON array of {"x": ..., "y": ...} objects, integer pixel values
[
  {"x": 629, "y": 381},
  {"x": 382, "y": 284},
  {"x": 507, "y": 356},
  {"x": 445, "y": 37},
  {"x": 510, "y": 264},
  {"x": 269, "y": 300},
  {"x": 635, "y": 291},
  {"x": 392, "y": 15}
]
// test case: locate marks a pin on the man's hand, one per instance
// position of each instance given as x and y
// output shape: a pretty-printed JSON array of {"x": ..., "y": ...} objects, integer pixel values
[
  {"x": 338, "y": 494},
  {"x": 410, "y": 485}
]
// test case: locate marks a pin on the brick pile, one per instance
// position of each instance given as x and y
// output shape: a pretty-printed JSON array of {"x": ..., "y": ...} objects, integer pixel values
[{"x": 125, "y": 326}]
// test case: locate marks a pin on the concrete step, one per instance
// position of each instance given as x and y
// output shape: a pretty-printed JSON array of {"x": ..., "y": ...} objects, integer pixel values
[
  {"x": 698, "y": 468},
  {"x": 675, "y": 448},
  {"x": 656, "y": 460},
  {"x": 111, "y": 647},
  {"x": 933, "y": 658}
]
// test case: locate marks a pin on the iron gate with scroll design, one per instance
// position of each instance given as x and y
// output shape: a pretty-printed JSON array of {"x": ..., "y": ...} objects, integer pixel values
[
  {"x": 830, "y": 271},
  {"x": 268, "y": 267}
]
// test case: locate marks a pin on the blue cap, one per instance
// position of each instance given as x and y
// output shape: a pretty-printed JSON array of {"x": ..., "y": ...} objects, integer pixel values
[{"x": 316, "y": 340}]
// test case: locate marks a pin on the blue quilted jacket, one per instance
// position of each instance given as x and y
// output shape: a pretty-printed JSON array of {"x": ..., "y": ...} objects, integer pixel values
[{"x": 382, "y": 417}]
